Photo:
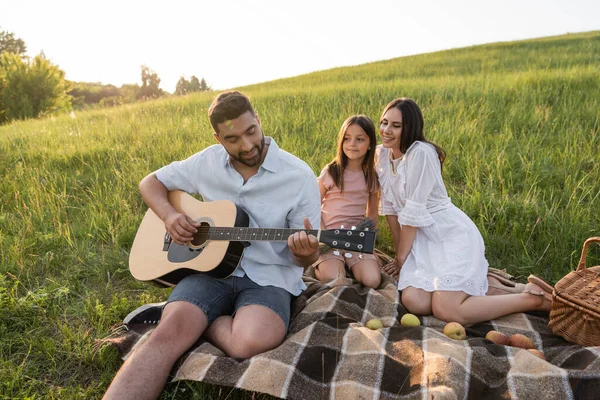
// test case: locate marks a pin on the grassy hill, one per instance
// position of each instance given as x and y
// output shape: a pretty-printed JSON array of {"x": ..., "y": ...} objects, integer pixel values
[{"x": 520, "y": 122}]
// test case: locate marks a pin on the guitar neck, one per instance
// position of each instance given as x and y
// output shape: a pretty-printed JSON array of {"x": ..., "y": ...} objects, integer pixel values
[{"x": 254, "y": 234}]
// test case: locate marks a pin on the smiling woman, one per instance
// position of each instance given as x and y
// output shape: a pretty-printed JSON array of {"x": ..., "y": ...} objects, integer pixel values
[{"x": 440, "y": 256}]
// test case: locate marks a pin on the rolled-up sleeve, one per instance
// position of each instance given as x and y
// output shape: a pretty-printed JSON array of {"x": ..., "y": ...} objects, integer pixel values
[
  {"x": 422, "y": 170},
  {"x": 181, "y": 175},
  {"x": 308, "y": 204}
]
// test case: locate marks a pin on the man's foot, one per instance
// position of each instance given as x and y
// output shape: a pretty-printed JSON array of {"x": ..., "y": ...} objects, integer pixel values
[
  {"x": 146, "y": 314},
  {"x": 545, "y": 298}
]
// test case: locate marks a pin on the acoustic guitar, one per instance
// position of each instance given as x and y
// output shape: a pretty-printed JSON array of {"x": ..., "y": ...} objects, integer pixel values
[{"x": 218, "y": 246}]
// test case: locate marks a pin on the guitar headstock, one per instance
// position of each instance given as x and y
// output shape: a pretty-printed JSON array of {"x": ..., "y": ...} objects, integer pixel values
[{"x": 349, "y": 239}]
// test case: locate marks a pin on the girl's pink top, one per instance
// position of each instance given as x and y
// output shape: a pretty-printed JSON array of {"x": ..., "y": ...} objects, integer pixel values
[{"x": 348, "y": 208}]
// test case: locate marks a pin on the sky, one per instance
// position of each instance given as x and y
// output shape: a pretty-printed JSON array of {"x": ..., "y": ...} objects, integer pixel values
[{"x": 232, "y": 43}]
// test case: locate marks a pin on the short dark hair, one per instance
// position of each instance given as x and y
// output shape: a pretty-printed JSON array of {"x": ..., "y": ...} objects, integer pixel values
[{"x": 227, "y": 106}]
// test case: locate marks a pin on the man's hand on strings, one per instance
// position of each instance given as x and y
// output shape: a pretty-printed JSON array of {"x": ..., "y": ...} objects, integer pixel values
[{"x": 181, "y": 228}]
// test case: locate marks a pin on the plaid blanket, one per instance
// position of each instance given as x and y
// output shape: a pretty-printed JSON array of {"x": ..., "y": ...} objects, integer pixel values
[{"x": 329, "y": 353}]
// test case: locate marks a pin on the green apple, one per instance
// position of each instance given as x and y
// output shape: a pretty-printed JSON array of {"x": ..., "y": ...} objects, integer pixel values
[
  {"x": 455, "y": 331},
  {"x": 374, "y": 324},
  {"x": 410, "y": 320}
]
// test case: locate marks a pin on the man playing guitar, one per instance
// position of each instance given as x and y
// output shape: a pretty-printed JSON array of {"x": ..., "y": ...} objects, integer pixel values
[{"x": 247, "y": 313}]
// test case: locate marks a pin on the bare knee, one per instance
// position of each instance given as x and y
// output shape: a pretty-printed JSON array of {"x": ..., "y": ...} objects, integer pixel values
[
  {"x": 330, "y": 270},
  {"x": 447, "y": 313},
  {"x": 369, "y": 276},
  {"x": 180, "y": 327},
  {"x": 416, "y": 301},
  {"x": 372, "y": 281},
  {"x": 247, "y": 345}
]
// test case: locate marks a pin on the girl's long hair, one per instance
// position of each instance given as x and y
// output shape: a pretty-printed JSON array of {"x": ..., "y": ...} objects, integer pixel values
[
  {"x": 338, "y": 165},
  {"x": 412, "y": 125}
]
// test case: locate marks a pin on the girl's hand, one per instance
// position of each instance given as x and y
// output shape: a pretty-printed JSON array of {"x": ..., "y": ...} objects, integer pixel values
[{"x": 392, "y": 269}]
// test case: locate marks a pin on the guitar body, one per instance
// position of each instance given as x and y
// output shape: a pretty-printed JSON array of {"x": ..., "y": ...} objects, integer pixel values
[{"x": 154, "y": 257}]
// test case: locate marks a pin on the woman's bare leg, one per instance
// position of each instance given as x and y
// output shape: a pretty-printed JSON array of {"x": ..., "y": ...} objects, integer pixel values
[
  {"x": 417, "y": 301},
  {"x": 469, "y": 310}
]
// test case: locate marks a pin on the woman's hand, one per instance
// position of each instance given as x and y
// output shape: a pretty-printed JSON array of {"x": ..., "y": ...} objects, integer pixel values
[{"x": 400, "y": 261}]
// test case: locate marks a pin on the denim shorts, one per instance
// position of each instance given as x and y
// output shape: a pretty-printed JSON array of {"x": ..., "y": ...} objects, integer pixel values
[{"x": 216, "y": 297}]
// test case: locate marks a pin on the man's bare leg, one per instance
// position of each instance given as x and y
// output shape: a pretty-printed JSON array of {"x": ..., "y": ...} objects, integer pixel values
[
  {"x": 253, "y": 330},
  {"x": 144, "y": 374}
]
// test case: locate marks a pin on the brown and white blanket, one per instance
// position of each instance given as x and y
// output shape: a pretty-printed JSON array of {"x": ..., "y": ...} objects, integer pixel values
[{"x": 329, "y": 353}]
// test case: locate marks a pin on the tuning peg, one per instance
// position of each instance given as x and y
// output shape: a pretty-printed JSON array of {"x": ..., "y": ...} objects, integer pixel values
[
  {"x": 341, "y": 226},
  {"x": 353, "y": 228}
]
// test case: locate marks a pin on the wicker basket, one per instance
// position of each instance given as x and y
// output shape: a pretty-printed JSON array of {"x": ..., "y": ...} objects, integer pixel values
[{"x": 575, "y": 313}]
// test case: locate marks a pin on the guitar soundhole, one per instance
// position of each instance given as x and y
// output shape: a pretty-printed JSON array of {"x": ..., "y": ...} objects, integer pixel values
[{"x": 199, "y": 237}]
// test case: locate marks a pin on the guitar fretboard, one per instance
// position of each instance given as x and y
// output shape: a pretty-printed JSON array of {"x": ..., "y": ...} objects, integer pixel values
[{"x": 254, "y": 234}]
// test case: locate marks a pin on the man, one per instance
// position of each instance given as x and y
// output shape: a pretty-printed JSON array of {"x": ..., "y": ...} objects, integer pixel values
[{"x": 247, "y": 313}]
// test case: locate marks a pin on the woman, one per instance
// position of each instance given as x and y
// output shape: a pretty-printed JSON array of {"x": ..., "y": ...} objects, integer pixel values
[{"x": 439, "y": 250}]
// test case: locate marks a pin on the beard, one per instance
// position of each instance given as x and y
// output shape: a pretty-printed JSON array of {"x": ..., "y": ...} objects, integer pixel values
[{"x": 255, "y": 160}]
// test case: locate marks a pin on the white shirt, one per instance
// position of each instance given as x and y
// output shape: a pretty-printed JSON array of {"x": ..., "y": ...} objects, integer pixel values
[
  {"x": 411, "y": 186},
  {"x": 282, "y": 193},
  {"x": 448, "y": 252}
]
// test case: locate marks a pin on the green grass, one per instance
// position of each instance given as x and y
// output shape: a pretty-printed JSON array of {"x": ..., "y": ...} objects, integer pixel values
[{"x": 520, "y": 123}]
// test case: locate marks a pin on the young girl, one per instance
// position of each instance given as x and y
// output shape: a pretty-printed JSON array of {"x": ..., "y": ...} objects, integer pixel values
[
  {"x": 439, "y": 250},
  {"x": 348, "y": 187}
]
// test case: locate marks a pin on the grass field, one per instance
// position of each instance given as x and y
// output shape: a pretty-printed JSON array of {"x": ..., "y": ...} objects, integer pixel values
[{"x": 520, "y": 122}]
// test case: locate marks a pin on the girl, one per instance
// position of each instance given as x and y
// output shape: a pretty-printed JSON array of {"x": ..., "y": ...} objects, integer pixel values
[
  {"x": 439, "y": 250},
  {"x": 348, "y": 187}
]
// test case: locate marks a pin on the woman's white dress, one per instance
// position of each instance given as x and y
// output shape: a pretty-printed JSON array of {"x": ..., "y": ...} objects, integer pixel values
[{"x": 448, "y": 252}]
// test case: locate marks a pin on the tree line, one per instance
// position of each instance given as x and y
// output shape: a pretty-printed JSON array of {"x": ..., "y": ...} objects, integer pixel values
[{"x": 33, "y": 87}]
